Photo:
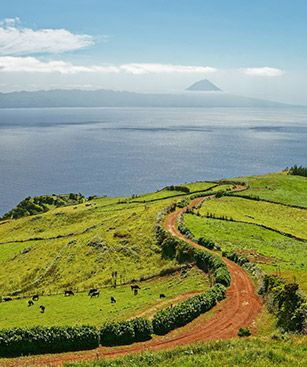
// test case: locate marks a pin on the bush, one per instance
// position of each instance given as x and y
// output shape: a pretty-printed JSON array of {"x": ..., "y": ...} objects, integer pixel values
[
  {"x": 236, "y": 258},
  {"x": 125, "y": 332},
  {"x": 39, "y": 339},
  {"x": 206, "y": 243},
  {"x": 243, "y": 331}
]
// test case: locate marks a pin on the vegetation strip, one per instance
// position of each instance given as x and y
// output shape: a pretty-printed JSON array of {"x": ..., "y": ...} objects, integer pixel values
[{"x": 257, "y": 198}]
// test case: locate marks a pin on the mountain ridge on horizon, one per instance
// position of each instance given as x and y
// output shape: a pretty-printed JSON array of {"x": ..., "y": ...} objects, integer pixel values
[{"x": 110, "y": 98}]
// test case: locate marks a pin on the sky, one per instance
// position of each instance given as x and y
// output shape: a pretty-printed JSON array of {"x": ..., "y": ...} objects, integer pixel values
[{"x": 249, "y": 48}]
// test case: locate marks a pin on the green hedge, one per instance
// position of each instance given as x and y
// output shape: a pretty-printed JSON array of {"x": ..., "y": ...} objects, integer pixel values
[
  {"x": 238, "y": 259},
  {"x": 184, "y": 312},
  {"x": 125, "y": 332},
  {"x": 40, "y": 339}
]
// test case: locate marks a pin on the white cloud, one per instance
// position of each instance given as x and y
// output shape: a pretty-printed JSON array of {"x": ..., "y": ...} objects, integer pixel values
[
  {"x": 17, "y": 40},
  {"x": 265, "y": 71},
  {"x": 34, "y": 65},
  {"x": 164, "y": 68}
]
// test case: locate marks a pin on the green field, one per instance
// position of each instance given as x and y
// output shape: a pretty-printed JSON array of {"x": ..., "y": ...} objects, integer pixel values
[
  {"x": 278, "y": 187},
  {"x": 256, "y": 352},
  {"x": 273, "y": 252},
  {"x": 81, "y": 309},
  {"x": 279, "y": 217}
]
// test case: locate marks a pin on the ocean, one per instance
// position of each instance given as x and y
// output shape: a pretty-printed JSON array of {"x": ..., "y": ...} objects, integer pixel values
[{"x": 125, "y": 151}]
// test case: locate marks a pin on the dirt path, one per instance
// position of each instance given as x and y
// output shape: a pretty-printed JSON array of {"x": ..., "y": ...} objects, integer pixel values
[{"x": 238, "y": 309}]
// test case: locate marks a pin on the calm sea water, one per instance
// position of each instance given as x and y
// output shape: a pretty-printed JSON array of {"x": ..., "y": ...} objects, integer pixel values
[{"x": 125, "y": 151}]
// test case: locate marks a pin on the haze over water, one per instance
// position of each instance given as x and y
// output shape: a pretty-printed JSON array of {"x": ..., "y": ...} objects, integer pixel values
[{"x": 125, "y": 151}]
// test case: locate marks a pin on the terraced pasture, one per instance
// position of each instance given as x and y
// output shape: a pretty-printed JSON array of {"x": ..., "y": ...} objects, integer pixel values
[
  {"x": 278, "y": 187},
  {"x": 286, "y": 219}
]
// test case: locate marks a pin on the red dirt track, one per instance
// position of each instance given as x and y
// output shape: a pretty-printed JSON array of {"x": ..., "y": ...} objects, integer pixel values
[{"x": 238, "y": 309}]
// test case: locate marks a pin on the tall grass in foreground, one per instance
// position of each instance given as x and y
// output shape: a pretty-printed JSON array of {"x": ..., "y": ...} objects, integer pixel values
[{"x": 222, "y": 353}]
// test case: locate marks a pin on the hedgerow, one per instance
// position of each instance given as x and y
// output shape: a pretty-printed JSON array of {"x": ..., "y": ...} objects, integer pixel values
[
  {"x": 40, "y": 339},
  {"x": 238, "y": 259},
  {"x": 125, "y": 332},
  {"x": 186, "y": 311}
]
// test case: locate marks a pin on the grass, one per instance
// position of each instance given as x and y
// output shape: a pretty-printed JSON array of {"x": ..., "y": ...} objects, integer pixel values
[
  {"x": 258, "y": 352},
  {"x": 278, "y": 187},
  {"x": 82, "y": 309},
  {"x": 282, "y": 218}
]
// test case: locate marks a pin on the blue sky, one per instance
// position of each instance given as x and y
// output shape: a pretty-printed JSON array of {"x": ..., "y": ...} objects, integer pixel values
[{"x": 248, "y": 48}]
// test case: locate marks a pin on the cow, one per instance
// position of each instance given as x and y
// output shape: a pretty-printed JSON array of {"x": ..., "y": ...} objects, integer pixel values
[
  {"x": 42, "y": 309},
  {"x": 135, "y": 292},
  {"x": 95, "y": 294},
  {"x": 162, "y": 295},
  {"x": 113, "y": 300},
  {"x": 133, "y": 287},
  {"x": 30, "y": 303},
  {"x": 92, "y": 290},
  {"x": 7, "y": 299},
  {"x": 35, "y": 297},
  {"x": 69, "y": 293}
]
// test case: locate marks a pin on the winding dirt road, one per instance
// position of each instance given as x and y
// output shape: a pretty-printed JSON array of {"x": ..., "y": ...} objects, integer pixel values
[{"x": 238, "y": 309}]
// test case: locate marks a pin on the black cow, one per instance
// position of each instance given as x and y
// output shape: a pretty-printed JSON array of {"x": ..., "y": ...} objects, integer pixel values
[
  {"x": 42, "y": 309},
  {"x": 113, "y": 300},
  {"x": 95, "y": 294},
  {"x": 30, "y": 303},
  {"x": 92, "y": 290},
  {"x": 162, "y": 295},
  {"x": 69, "y": 293},
  {"x": 134, "y": 287},
  {"x": 35, "y": 297},
  {"x": 135, "y": 292},
  {"x": 7, "y": 299}
]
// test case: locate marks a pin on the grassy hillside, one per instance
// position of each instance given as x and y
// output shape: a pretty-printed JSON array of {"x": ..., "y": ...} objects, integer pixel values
[
  {"x": 81, "y": 246},
  {"x": 278, "y": 187},
  {"x": 107, "y": 243},
  {"x": 256, "y": 352},
  {"x": 274, "y": 252}
]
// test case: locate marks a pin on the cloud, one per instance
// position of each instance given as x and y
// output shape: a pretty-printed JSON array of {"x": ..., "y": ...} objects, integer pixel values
[
  {"x": 164, "y": 68},
  {"x": 265, "y": 71},
  {"x": 32, "y": 64},
  {"x": 17, "y": 40}
]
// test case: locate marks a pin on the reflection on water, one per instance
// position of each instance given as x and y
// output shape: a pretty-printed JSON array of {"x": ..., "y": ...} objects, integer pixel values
[{"x": 125, "y": 151}]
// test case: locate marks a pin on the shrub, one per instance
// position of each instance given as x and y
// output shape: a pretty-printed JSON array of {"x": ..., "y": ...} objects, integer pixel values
[
  {"x": 243, "y": 331},
  {"x": 40, "y": 339},
  {"x": 206, "y": 243},
  {"x": 125, "y": 332}
]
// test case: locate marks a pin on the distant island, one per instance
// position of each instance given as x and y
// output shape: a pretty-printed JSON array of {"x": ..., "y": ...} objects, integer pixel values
[
  {"x": 204, "y": 86},
  {"x": 110, "y": 98}
]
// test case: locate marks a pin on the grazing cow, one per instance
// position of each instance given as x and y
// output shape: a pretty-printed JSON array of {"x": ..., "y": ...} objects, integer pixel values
[
  {"x": 35, "y": 297},
  {"x": 69, "y": 293},
  {"x": 113, "y": 300},
  {"x": 162, "y": 295},
  {"x": 7, "y": 299},
  {"x": 30, "y": 303},
  {"x": 135, "y": 292},
  {"x": 134, "y": 287},
  {"x": 95, "y": 294},
  {"x": 42, "y": 309},
  {"x": 92, "y": 290}
]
